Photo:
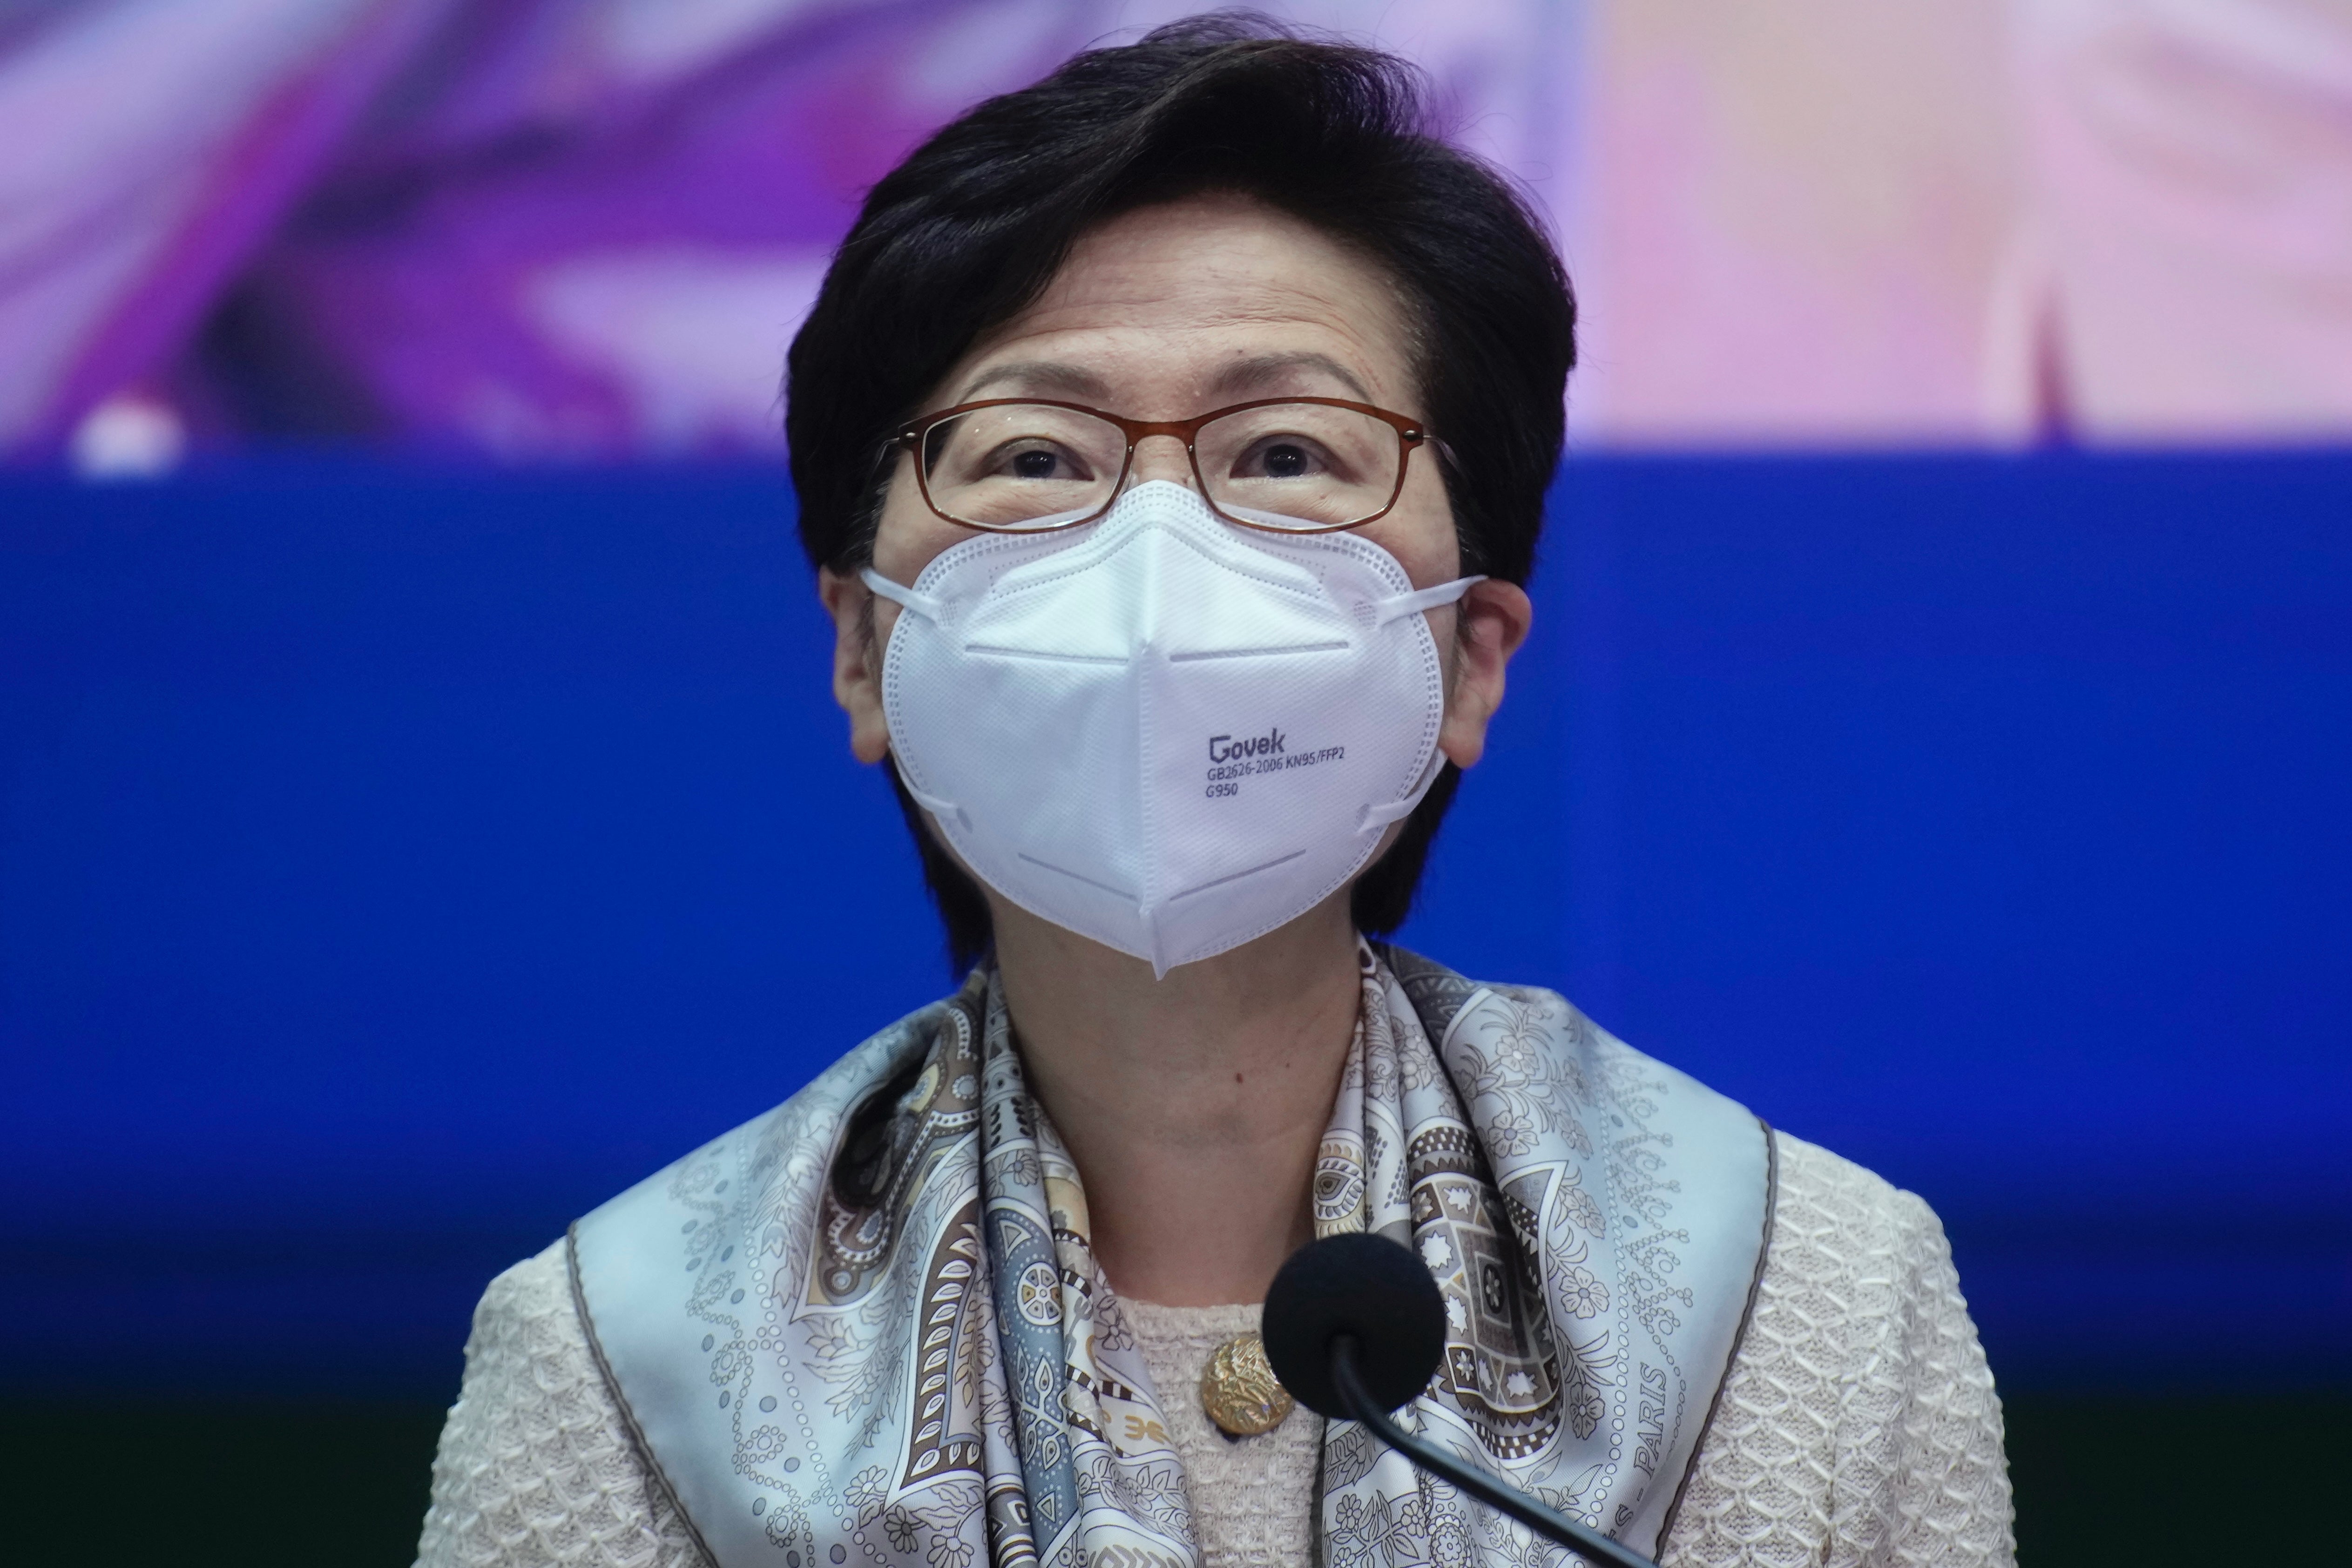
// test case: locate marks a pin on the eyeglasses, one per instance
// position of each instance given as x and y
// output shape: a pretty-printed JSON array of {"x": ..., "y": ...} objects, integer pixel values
[{"x": 1289, "y": 465}]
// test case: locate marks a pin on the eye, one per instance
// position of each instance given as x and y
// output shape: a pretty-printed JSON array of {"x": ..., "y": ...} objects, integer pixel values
[
  {"x": 1286, "y": 461},
  {"x": 1036, "y": 459},
  {"x": 1282, "y": 457}
]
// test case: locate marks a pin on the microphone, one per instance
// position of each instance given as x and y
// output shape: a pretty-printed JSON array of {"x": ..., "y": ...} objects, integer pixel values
[{"x": 1354, "y": 1327}]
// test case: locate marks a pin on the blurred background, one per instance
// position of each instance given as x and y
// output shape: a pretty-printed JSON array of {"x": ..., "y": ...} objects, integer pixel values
[{"x": 421, "y": 812}]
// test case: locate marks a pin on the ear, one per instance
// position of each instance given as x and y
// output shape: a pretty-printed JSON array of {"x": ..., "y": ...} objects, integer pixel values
[
  {"x": 1491, "y": 621},
  {"x": 856, "y": 663}
]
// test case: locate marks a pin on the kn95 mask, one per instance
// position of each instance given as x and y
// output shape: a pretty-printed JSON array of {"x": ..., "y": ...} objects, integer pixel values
[{"x": 1162, "y": 730}]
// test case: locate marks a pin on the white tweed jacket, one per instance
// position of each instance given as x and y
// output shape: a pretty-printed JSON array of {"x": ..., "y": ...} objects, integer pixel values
[{"x": 1858, "y": 1427}]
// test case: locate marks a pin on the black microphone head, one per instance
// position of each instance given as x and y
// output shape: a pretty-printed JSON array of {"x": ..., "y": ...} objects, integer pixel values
[{"x": 1361, "y": 1285}]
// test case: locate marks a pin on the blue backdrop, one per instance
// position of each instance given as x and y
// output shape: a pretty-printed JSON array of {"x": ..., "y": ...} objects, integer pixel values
[{"x": 395, "y": 862}]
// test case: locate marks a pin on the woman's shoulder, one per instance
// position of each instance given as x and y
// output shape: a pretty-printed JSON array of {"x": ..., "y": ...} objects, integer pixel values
[
  {"x": 529, "y": 1353},
  {"x": 533, "y": 1300},
  {"x": 1855, "y": 1259},
  {"x": 1858, "y": 1420},
  {"x": 536, "y": 1463},
  {"x": 539, "y": 1463},
  {"x": 1826, "y": 1211},
  {"x": 1849, "y": 1250},
  {"x": 1859, "y": 1288},
  {"x": 1825, "y": 1200}
]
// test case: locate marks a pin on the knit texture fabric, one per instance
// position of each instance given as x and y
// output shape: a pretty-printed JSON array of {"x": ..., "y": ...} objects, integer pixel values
[
  {"x": 536, "y": 1464},
  {"x": 1858, "y": 1428},
  {"x": 1253, "y": 1498},
  {"x": 1859, "y": 1423}
]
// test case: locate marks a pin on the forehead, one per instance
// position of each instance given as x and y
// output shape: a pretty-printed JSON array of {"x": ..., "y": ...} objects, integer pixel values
[{"x": 1211, "y": 298}]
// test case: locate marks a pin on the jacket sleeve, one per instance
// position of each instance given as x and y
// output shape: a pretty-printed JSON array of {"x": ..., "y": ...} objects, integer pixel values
[
  {"x": 1946, "y": 1495},
  {"x": 1858, "y": 1425},
  {"x": 536, "y": 1464}
]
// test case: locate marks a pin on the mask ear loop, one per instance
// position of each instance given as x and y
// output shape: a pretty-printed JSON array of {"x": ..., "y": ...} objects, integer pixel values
[
  {"x": 929, "y": 608},
  {"x": 1403, "y": 604},
  {"x": 1377, "y": 817},
  {"x": 906, "y": 598}
]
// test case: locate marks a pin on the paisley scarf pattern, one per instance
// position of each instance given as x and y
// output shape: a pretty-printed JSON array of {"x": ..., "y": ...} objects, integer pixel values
[{"x": 870, "y": 1325}]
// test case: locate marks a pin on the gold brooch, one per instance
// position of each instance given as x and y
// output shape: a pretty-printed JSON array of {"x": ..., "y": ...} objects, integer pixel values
[{"x": 1238, "y": 1390}]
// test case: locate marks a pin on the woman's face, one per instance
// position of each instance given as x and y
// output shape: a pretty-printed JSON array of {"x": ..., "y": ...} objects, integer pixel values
[{"x": 1167, "y": 313}]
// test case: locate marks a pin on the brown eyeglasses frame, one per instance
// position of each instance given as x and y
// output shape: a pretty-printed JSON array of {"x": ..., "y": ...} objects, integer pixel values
[{"x": 1411, "y": 433}]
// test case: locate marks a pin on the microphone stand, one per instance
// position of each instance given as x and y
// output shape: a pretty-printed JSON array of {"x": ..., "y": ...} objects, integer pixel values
[{"x": 1574, "y": 1534}]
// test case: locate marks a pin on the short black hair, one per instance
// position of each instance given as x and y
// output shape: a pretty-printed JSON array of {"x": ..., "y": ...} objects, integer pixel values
[{"x": 966, "y": 232}]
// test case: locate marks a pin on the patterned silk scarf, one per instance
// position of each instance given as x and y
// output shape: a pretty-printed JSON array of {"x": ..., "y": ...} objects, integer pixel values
[{"x": 870, "y": 1326}]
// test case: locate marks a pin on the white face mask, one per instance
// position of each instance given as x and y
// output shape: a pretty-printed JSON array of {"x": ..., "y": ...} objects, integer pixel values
[{"x": 1160, "y": 731}]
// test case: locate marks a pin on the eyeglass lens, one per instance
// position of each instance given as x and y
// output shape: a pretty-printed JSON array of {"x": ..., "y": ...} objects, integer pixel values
[{"x": 1287, "y": 465}]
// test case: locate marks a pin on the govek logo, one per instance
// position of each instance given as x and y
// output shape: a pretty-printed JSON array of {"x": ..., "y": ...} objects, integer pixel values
[{"x": 1225, "y": 749}]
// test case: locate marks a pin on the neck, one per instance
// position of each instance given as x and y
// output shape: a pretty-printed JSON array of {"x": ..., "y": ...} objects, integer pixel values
[{"x": 1195, "y": 1105}]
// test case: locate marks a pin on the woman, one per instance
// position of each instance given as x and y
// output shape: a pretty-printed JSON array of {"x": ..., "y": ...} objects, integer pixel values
[{"x": 1171, "y": 440}]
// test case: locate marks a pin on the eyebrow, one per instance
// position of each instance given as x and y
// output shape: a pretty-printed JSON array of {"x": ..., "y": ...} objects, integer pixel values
[
  {"x": 1053, "y": 378},
  {"x": 1046, "y": 377},
  {"x": 1260, "y": 369}
]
